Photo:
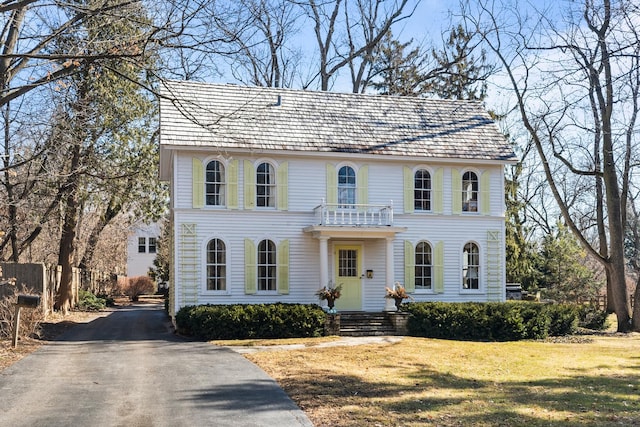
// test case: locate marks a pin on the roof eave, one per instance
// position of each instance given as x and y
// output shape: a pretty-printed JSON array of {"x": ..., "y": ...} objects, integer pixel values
[{"x": 169, "y": 148}]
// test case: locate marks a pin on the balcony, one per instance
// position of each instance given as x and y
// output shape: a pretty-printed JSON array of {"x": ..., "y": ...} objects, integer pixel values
[
  {"x": 340, "y": 221},
  {"x": 353, "y": 215}
]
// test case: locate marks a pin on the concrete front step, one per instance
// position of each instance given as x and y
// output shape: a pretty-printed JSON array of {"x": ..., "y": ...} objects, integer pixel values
[{"x": 365, "y": 324}]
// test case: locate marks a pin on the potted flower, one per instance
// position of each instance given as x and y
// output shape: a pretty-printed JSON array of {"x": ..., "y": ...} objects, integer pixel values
[
  {"x": 398, "y": 293},
  {"x": 330, "y": 293}
]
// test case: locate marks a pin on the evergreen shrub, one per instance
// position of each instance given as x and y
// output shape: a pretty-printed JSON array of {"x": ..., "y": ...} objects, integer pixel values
[
  {"x": 108, "y": 299},
  {"x": 509, "y": 321},
  {"x": 591, "y": 317},
  {"x": 87, "y": 301},
  {"x": 243, "y": 321},
  {"x": 563, "y": 319}
]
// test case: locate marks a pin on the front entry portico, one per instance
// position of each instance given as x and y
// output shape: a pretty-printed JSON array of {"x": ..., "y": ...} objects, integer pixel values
[{"x": 343, "y": 235}]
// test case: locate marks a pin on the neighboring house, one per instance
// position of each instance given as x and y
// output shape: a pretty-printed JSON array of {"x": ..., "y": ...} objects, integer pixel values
[
  {"x": 142, "y": 246},
  {"x": 276, "y": 193}
]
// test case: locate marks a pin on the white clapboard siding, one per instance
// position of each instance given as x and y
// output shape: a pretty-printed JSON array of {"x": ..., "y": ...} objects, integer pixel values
[{"x": 306, "y": 190}]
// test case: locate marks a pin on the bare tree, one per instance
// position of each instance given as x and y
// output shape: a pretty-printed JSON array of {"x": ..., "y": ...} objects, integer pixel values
[
  {"x": 38, "y": 51},
  {"x": 568, "y": 79},
  {"x": 93, "y": 145},
  {"x": 255, "y": 37},
  {"x": 345, "y": 34}
]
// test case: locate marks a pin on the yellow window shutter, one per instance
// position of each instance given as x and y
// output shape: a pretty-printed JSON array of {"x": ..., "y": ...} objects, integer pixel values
[
  {"x": 250, "y": 267},
  {"x": 232, "y": 184},
  {"x": 437, "y": 190},
  {"x": 282, "y": 191},
  {"x": 249, "y": 185},
  {"x": 197, "y": 189},
  {"x": 283, "y": 267},
  {"x": 332, "y": 184},
  {"x": 409, "y": 185},
  {"x": 409, "y": 267},
  {"x": 363, "y": 185},
  {"x": 456, "y": 191},
  {"x": 485, "y": 193},
  {"x": 438, "y": 268}
]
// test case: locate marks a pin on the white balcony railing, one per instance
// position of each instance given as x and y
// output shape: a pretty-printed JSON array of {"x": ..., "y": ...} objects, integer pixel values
[{"x": 354, "y": 215}]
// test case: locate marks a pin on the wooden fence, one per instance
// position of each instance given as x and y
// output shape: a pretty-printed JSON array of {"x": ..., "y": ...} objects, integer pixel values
[
  {"x": 601, "y": 301},
  {"x": 44, "y": 280}
]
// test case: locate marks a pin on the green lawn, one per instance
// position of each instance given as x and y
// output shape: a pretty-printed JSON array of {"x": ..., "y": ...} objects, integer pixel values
[{"x": 592, "y": 381}]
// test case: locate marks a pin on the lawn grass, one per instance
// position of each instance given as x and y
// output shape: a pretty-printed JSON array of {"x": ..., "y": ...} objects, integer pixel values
[{"x": 592, "y": 381}]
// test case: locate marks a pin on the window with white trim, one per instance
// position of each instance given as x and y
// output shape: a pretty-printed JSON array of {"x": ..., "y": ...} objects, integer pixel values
[
  {"x": 422, "y": 190},
  {"x": 346, "y": 187},
  {"x": 216, "y": 265},
  {"x": 423, "y": 266},
  {"x": 469, "y": 192},
  {"x": 471, "y": 266},
  {"x": 153, "y": 246},
  {"x": 142, "y": 245},
  {"x": 267, "y": 266},
  {"x": 214, "y": 184},
  {"x": 265, "y": 185}
]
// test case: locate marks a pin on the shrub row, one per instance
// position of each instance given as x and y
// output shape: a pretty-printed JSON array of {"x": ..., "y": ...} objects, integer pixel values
[
  {"x": 244, "y": 321},
  {"x": 508, "y": 321}
]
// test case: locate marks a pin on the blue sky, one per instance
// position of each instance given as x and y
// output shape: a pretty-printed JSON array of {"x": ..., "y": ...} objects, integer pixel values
[{"x": 428, "y": 22}]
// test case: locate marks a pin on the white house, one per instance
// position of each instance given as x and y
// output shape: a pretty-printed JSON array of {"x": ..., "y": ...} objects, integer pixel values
[
  {"x": 276, "y": 193},
  {"x": 142, "y": 245}
]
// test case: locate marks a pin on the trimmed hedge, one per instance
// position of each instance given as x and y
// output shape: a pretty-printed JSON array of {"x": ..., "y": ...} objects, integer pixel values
[
  {"x": 509, "y": 321},
  {"x": 242, "y": 321}
]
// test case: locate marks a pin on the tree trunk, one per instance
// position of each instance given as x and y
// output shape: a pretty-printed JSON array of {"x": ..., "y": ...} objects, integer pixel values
[
  {"x": 64, "y": 297},
  {"x": 12, "y": 210},
  {"x": 610, "y": 178},
  {"x": 635, "y": 324}
]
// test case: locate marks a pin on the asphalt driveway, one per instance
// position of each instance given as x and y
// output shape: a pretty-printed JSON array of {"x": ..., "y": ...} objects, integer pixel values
[{"x": 129, "y": 369}]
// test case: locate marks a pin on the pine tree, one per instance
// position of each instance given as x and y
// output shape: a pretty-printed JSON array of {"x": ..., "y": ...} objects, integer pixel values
[
  {"x": 520, "y": 253},
  {"x": 397, "y": 69},
  {"x": 565, "y": 275},
  {"x": 461, "y": 75}
]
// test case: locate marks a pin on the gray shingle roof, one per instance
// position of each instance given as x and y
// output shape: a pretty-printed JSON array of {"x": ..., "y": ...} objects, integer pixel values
[{"x": 231, "y": 116}]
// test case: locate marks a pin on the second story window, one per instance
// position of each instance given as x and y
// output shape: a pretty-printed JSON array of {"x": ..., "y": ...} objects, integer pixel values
[
  {"x": 153, "y": 246},
  {"x": 214, "y": 184},
  {"x": 346, "y": 186},
  {"x": 142, "y": 245},
  {"x": 422, "y": 190},
  {"x": 469, "y": 192},
  {"x": 265, "y": 186}
]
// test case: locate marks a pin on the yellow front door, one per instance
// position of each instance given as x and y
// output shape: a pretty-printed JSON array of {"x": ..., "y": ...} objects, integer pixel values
[{"x": 348, "y": 273}]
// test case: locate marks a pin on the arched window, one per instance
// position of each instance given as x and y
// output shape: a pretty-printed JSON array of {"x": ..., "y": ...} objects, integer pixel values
[
  {"x": 422, "y": 190},
  {"x": 469, "y": 192},
  {"x": 265, "y": 186},
  {"x": 346, "y": 187},
  {"x": 267, "y": 266},
  {"x": 470, "y": 266},
  {"x": 423, "y": 266},
  {"x": 216, "y": 265},
  {"x": 214, "y": 184}
]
